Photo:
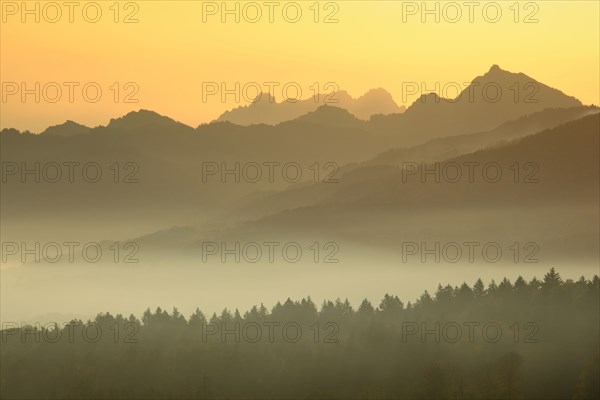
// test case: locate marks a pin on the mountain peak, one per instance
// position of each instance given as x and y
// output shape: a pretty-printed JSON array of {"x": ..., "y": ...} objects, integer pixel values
[
  {"x": 68, "y": 128},
  {"x": 496, "y": 96},
  {"x": 139, "y": 119},
  {"x": 142, "y": 113},
  {"x": 327, "y": 115},
  {"x": 341, "y": 95},
  {"x": 264, "y": 98},
  {"x": 431, "y": 97},
  {"x": 375, "y": 101},
  {"x": 499, "y": 75},
  {"x": 377, "y": 94}
]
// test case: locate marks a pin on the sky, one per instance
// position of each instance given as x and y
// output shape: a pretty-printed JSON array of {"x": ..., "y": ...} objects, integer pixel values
[{"x": 93, "y": 61}]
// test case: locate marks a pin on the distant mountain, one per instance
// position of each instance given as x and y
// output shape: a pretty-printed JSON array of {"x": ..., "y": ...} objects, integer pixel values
[
  {"x": 377, "y": 208},
  {"x": 143, "y": 119},
  {"x": 371, "y": 205},
  {"x": 566, "y": 157},
  {"x": 375, "y": 101},
  {"x": 166, "y": 158},
  {"x": 330, "y": 116},
  {"x": 69, "y": 128},
  {"x": 169, "y": 157},
  {"x": 435, "y": 150},
  {"x": 266, "y": 110},
  {"x": 451, "y": 146},
  {"x": 496, "y": 97}
]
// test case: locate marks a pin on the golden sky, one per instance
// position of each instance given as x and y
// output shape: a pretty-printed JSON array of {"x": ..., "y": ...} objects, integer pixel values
[{"x": 170, "y": 51}]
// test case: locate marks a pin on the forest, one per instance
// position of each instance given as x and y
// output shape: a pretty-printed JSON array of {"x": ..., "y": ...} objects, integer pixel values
[{"x": 507, "y": 340}]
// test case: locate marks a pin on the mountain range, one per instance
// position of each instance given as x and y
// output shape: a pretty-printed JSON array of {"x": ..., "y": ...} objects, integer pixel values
[
  {"x": 266, "y": 110},
  {"x": 367, "y": 155},
  {"x": 373, "y": 206}
]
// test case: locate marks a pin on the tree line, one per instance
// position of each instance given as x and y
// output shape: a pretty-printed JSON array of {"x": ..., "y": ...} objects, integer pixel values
[{"x": 511, "y": 340}]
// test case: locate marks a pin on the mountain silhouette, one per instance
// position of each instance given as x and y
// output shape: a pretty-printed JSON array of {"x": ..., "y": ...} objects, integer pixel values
[
  {"x": 143, "y": 119},
  {"x": 377, "y": 208},
  {"x": 375, "y": 101},
  {"x": 331, "y": 116},
  {"x": 69, "y": 128},
  {"x": 265, "y": 110},
  {"x": 451, "y": 146},
  {"x": 432, "y": 151},
  {"x": 169, "y": 156},
  {"x": 491, "y": 99}
]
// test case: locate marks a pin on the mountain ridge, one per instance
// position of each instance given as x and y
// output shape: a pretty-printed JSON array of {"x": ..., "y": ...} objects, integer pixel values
[{"x": 269, "y": 111}]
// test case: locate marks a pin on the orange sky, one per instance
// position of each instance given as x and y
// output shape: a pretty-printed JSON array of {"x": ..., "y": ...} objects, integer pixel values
[{"x": 162, "y": 60}]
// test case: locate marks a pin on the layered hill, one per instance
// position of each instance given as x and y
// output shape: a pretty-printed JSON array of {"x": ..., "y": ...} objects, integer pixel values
[{"x": 541, "y": 189}]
